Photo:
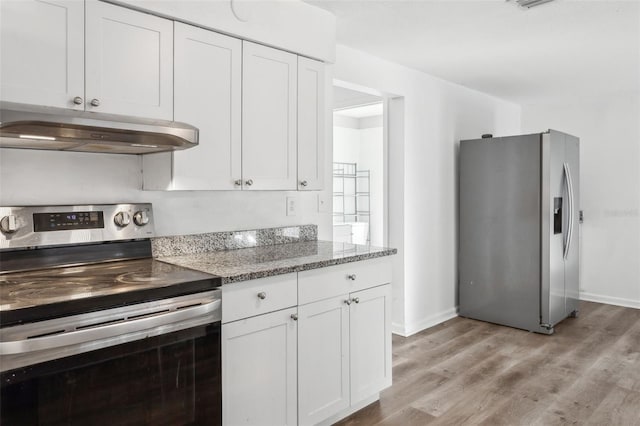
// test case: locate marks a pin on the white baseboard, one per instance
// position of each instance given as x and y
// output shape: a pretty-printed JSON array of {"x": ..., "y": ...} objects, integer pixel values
[
  {"x": 609, "y": 300},
  {"x": 406, "y": 330}
]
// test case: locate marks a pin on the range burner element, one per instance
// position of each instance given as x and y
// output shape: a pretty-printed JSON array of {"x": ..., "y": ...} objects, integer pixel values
[{"x": 56, "y": 285}]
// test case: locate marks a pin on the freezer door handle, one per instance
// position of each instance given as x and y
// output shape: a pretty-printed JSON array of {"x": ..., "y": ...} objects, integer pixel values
[{"x": 569, "y": 234}]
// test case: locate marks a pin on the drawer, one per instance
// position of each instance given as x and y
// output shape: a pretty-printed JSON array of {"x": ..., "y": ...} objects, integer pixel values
[
  {"x": 323, "y": 283},
  {"x": 255, "y": 297}
]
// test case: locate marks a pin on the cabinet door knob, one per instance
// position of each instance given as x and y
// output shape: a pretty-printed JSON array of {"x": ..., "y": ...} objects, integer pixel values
[
  {"x": 304, "y": 183},
  {"x": 356, "y": 299},
  {"x": 249, "y": 182},
  {"x": 95, "y": 102},
  {"x": 78, "y": 100},
  {"x": 238, "y": 182},
  {"x": 348, "y": 301},
  {"x": 294, "y": 317},
  {"x": 262, "y": 295},
  {"x": 352, "y": 277}
]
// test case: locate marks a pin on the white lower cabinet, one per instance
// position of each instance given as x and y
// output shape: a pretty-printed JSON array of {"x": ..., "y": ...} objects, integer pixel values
[
  {"x": 370, "y": 342},
  {"x": 323, "y": 359},
  {"x": 316, "y": 362},
  {"x": 259, "y": 370},
  {"x": 344, "y": 350}
]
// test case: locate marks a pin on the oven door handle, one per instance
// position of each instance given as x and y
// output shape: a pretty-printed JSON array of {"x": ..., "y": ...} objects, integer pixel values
[{"x": 120, "y": 328}]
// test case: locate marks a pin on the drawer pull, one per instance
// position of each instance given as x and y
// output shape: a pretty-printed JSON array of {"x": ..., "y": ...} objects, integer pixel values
[
  {"x": 356, "y": 299},
  {"x": 348, "y": 302},
  {"x": 294, "y": 317},
  {"x": 262, "y": 295},
  {"x": 352, "y": 277}
]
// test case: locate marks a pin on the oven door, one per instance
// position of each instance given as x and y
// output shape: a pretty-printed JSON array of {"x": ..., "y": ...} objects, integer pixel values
[{"x": 168, "y": 374}]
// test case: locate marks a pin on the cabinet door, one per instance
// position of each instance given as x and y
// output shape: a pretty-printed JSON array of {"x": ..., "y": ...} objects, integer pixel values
[
  {"x": 42, "y": 52},
  {"x": 259, "y": 370},
  {"x": 207, "y": 94},
  {"x": 129, "y": 62},
  {"x": 370, "y": 342},
  {"x": 268, "y": 118},
  {"x": 310, "y": 124},
  {"x": 323, "y": 359}
]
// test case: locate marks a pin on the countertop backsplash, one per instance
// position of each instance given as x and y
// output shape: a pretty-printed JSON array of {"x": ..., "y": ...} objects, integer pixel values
[{"x": 231, "y": 240}]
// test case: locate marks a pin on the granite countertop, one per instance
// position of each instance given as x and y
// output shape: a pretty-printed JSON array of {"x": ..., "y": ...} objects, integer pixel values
[{"x": 265, "y": 261}]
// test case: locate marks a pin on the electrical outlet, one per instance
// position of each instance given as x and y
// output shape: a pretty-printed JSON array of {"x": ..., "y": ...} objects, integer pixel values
[
  {"x": 323, "y": 203},
  {"x": 292, "y": 205}
]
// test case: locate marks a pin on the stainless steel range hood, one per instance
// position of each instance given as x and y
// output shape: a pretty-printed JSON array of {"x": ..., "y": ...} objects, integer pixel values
[{"x": 34, "y": 127}]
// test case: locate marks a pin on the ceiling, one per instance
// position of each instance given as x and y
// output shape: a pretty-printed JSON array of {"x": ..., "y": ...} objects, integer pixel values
[{"x": 577, "y": 49}]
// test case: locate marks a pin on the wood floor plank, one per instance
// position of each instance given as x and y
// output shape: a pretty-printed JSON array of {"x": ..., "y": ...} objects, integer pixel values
[
  {"x": 396, "y": 398},
  {"x": 408, "y": 416},
  {"x": 441, "y": 400},
  {"x": 467, "y": 372},
  {"x": 528, "y": 400},
  {"x": 620, "y": 407},
  {"x": 577, "y": 403}
]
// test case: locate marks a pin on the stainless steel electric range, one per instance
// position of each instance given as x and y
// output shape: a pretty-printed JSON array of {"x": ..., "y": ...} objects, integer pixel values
[{"x": 93, "y": 330}]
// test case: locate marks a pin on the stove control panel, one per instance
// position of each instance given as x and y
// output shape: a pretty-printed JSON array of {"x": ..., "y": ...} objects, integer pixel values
[{"x": 37, "y": 226}]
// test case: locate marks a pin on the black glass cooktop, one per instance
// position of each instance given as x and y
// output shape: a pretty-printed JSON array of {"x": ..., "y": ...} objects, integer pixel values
[{"x": 51, "y": 293}]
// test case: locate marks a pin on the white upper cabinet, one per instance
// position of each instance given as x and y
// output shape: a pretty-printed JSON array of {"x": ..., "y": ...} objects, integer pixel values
[
  {"x": 269, "y": 110},
  {"x": 129, "y": 62},
  {"x": 91, "y": 56},
  {"x": 207, "y": 90},
  {"x": 310, "y": 124},
  {"x": 42, "y": 52}
]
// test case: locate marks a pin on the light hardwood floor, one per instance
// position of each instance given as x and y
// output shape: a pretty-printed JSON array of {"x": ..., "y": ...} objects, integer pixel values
[{"x": 467, "y": 372}]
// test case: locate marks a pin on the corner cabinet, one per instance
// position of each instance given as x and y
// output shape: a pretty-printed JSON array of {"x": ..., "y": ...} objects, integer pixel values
[{"x": 113, "y": 60}]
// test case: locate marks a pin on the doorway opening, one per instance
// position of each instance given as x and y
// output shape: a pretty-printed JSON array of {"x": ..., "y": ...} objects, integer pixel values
[{"x": 359, "y": 165}]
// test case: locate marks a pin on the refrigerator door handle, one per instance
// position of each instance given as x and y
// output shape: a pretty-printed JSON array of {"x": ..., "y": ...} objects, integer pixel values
[{"x": 569, "y": 234}]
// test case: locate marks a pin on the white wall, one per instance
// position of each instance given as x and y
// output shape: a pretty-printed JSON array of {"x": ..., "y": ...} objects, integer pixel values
[
  {"x": 423, "y": 169},
  {"x": 609, "y": 131},
  {"x": 30, "y": 177}
]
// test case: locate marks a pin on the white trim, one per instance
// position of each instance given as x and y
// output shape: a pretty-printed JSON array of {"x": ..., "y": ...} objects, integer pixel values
[
  {"x": 610, "y": 300},
  {"x": 397, "y": 328},
  {"x": 410, "y": 329}
]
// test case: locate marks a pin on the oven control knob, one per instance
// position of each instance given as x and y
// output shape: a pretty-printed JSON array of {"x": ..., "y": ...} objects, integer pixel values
[
  {"x": 9, "y": 224},
  {"x": 122, "y": 219},
  {"x": 141, "y": 218}
]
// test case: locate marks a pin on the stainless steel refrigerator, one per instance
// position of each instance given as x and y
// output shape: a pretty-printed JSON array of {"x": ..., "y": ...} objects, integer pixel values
[{"x": 519, "y": 211}]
